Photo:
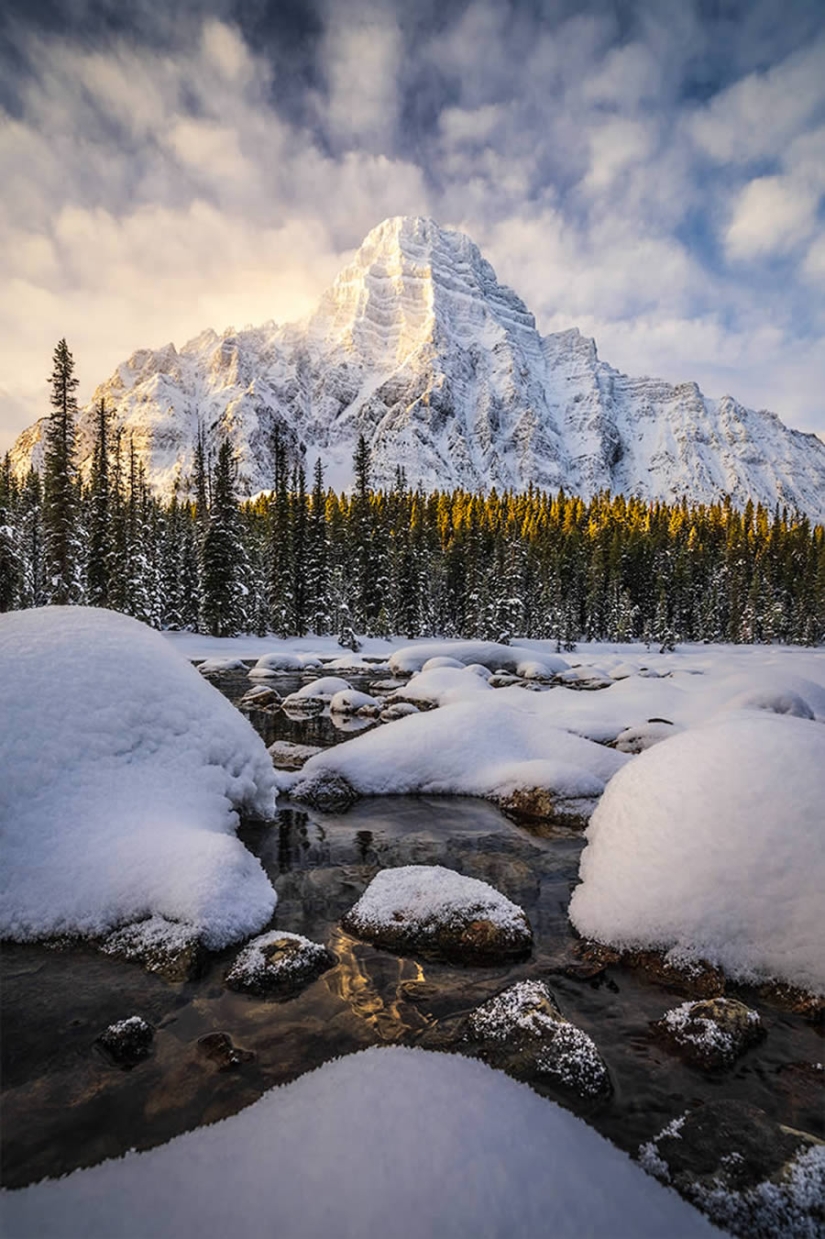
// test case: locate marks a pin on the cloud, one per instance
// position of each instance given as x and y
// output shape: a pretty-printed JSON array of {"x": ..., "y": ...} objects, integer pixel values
[{"x": 637, "y": 172}]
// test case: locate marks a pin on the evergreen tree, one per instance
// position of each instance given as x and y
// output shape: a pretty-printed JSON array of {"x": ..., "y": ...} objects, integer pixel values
[
  {"x": 223, "y": 591},
  {"x": 99, "y": 522},
  {"x": 61, "y": 533}
]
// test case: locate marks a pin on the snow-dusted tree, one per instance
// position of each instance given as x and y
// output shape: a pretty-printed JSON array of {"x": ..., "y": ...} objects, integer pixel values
[
  {"x": 223, "y": 559},
  {"x": 99, "y": 515},
  {"x": 11, "y": 563},
  {"x": 61, "y": 496},
  {"x": 317, "y": 561}
]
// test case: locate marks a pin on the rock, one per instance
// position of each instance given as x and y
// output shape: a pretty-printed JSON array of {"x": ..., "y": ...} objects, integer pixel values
[
  {"x": 281, "y": 663},
  {"x": 592, "y": 958},
  {"x": 503, "y": 679},
  {"x": 697, "y": 978},
  {"x": 278, "y": 965},
  {"x": 351, "y": 701},
  {"x": 711, "y": 1033},
  {"x": 298, "y": 706},
  {"x": 751, "y": 1175},
  {"x": 324, "y": 790},
  {"x": 218, "y": 1048},
  {"x": 127, "y": 1042},
  {"x": 440, "y": 914},
  {"x": 262, "y": 697},
  {"x": 288, "y": 756},
  {"x": 167, "y": 948},
  {"x": 220, "y": 666},
  {"x": 386, "y": 686},
  {"x": 398, "y": 709},
  {"x": 521, "y": 1031}
]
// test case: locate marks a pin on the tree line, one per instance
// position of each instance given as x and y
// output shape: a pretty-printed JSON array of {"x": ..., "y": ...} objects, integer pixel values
[{"x": 304, "y": 559}]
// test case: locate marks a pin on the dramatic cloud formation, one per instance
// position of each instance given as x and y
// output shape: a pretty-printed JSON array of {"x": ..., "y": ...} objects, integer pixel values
[{"x": 644, "y": 171}]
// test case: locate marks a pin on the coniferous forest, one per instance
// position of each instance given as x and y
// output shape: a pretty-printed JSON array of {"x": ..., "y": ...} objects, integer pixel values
[{"x": 304, "y": 559}]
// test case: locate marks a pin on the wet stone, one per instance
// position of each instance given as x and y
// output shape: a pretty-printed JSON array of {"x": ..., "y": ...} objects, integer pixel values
[
  {"x": 331, "y": 793},
  {"x": 523, "y": 1032},
  {"x": 218, "y": 1049},
  {"x": 751, "y": 1175},
  {"x": 288, "y": 756},
  {"x": 262, "y": 697},
  {"x": 168, "y": 949},
  {"x": 127, "y": 1042},
  {"x": 711, "y": 1033},
  {"x": 278, "y": 965}
]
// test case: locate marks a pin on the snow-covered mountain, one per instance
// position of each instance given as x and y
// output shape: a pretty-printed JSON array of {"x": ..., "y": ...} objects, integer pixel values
[{"x": 417, "y": 346}]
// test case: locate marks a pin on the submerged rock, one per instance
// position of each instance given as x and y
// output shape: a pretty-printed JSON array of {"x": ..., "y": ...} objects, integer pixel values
[
  {"x": 297, "y": 705},
  {"x": 435, "y": 912},
  {"x": 325, "y": 790},
  {"x": 523, "y": 1032},
  {"x": 262, "y": 697},
  {"x": 167, "y": 948},
  {"x": 711, "y": 1033},
  {"x": 278, "y": 965},
  {"x": 127, "y": 1042},
  {"x": 751, "y": 1175},
  {"x": 288, "y": 756},
  {"x": 218, "y": 1048}
]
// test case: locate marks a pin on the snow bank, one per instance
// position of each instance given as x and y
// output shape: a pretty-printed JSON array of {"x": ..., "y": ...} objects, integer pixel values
[
  {"x": 281, "y": 662},
  {"x": 712, "y": 843},
  {"x": 448, "y": 1146},
  {"x": 325, "y": 686},
  {"x": 488, "y": 653},
  {"x": 483, "y": 747},
  {"x": 441, "y": 686},
  {"x": 121, "y": 768}
]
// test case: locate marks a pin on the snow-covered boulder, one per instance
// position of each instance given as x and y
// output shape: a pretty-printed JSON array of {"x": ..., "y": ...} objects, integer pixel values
[
  {"x": 637, "y": 739},
  {"x": 350, "y": 701},
  {"x": 261, "y": 697},
  {"x": 491, "y": 654},
  {"x": 433, "y": 664},
  {"x": 486, "y": 746},
  {"x": 711, "y": 844},
  {"x": 324, "y": 687},
  {"x": 278, "y": 965},
  {"x": 121, "y": 773},
  {"x": 281, "y": 662},
  {"x": 523, "y": 1032},
  {"x": 396, "y": 710},
  {"x": 436, "y": 912},
  {"x": 221, "y": 666},
  {"x": 453, "y": 1148},
  {"x": 711, "y": 1033},
  {"x": 440, "y": 686}
]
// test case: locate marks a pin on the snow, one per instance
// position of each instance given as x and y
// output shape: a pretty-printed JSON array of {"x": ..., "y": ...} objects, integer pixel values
[
  {"x": 483, "y": 747},
  {"x": 254, "y": 964},
  {"x": 325, "y": 686},
  {"x": 391, "y": 1141},
  {"x": 440, "y": 686},
  {"x": 711, "y": 843},
  {"x": 422, "y": 897},
  {"x": 278, "y": 662},
  {"x": 122, "y": 773},
  {"x": 487, "y": 654},
  {"x": 218, "y": 666},
  {"x": 349, "y": 701}
]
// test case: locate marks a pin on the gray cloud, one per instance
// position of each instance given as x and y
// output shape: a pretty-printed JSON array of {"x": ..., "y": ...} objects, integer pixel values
[{"x": 637, "y": 169}]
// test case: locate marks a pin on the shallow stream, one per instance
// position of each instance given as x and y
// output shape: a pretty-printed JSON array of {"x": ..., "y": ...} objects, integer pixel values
[{"x": 64, "y": 1105}]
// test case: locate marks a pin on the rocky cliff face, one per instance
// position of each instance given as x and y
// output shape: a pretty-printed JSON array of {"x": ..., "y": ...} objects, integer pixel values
[{"x": 417, "y": 346}]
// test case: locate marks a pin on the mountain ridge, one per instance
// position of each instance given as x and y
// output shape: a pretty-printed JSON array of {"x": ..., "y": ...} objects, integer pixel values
[{"x": 418, "y": 346}]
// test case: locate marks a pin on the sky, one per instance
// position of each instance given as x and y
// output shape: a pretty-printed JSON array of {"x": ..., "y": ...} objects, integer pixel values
[{"x": 651, "y": 171}]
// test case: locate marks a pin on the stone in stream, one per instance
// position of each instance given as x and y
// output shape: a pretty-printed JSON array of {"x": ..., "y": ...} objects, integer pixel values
[
  {"x": 523, "y": 1032},
  {"x": 288, "y": 756},
  {"x": 167, "y": 948},
  {"x": 278, "y": 965},
  {"x": 261, "y": 697},
  {"x": 127, "y": 1042},
  {"x": 711, "y": 1033},
  {"x": 325, "y": 790},
  {"x": 219, "y": 1049},
  {"x": 440, "y": 914},
  {"x": 749, "y": 1174},
  {"x": 398, "y": 709}
]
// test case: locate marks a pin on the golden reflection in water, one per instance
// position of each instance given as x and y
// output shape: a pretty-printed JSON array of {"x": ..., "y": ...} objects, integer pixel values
[{"x": 392, "y": 1017}]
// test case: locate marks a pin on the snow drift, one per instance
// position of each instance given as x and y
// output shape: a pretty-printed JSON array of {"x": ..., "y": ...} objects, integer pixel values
[
  {"x": 711, "y": 844},
  {"x": 121, "y": 770}
]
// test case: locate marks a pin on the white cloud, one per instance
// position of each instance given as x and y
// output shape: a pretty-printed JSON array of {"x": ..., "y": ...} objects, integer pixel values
[{"x": 772, "y": 215}]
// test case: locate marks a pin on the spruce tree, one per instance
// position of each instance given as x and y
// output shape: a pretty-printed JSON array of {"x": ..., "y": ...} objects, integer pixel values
[
  {"x": 99, "y": 522},
  {"x": 222, "y": 555},
  {"x": 62, "y": 546}
]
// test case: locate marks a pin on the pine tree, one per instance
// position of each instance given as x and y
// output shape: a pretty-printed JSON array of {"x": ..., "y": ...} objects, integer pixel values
[
  {"x": 62, "y": 546},
  {"x": 11, "y": 564},
  {"x": 223, "y": 591},
  {"x": 99, "y": 523}
]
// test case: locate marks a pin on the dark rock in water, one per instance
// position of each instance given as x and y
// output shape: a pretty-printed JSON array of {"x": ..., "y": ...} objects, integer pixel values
[
  {"x": 523, "y": 1032},
  {"x": 324, "y": 790},
  {"x": 439, "y": 914},
  {"x": 503, "y": 679},
  {"x": 262, "y": 697},
  {"x": 278, "y": 965},
  {"x": 127, "y": 1042},
  {"x": 299, "y": 706},
  {"x": 218, "y": 1048},
  {"x": 711, "y": 1033},
  {"x": 167, "y": 948},
  {"x": 751, "y": 1175},
  {"x": 790, "y": 998}
]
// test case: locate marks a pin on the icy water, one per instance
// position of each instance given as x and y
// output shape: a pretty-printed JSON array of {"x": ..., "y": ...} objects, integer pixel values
[{"x": 64, "y": 1105}]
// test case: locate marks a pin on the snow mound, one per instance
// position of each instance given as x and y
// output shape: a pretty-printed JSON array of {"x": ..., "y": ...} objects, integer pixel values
[
  {"x": 433, "y": 664},
  {"x": 277, "y": 962},
  {"x": 483, "y": 747},
  {"x": 325, "y": 686},
  {"x": 350, "y": 701},
  {"x": 282, "y": 662},
  {"x": 712, "y": 843},
  {"x": 219, "y": 666},
  {"x": 421, "y": 896},
  {"x": 489, "y": 654},
  {"x": 453, "y": 1148},
  {"x": 440, "y": 686},
  {"x": 122, "y": 770}
]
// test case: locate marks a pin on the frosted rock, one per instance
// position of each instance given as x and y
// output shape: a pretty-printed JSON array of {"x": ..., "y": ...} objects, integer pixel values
[
  {"x": 712, "y": 1033},
  {"x": 324, "y": 687},
  {"x": 430, "y": 910},
  {"x": 350, "y": 701},
  {"x": 398, "y": 709},
  {"x": 221, "y": 666},
  {"x": 171, "y": 950},
  {"x": 128, "y": 1041},
  {"x": 288, "y": 756},
  {"x": 261, "y": 697},
  {"x": 278, "y": 965}
]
